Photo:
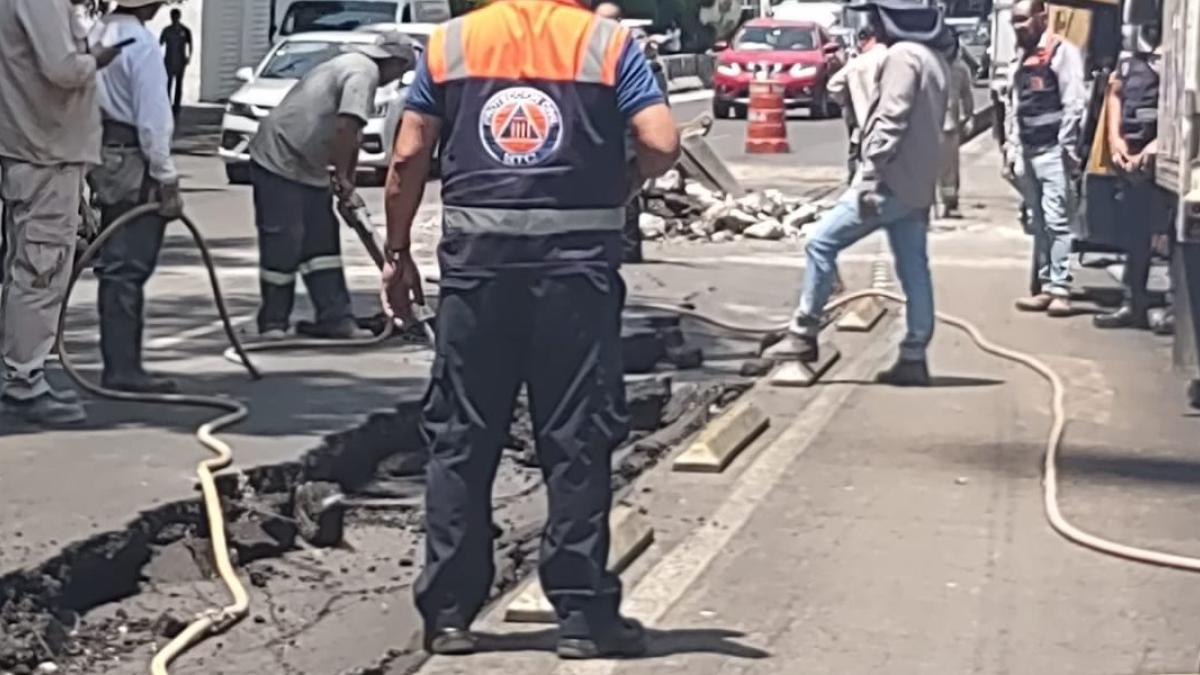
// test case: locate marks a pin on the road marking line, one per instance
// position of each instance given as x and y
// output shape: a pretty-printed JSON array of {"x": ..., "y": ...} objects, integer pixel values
[{"x": 678, "y": 571}]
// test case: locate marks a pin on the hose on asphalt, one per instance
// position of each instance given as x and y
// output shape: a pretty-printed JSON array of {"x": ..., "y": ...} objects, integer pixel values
[
  {"x": 1050, "y": 480},
  {"x": 216, "y": 620}
]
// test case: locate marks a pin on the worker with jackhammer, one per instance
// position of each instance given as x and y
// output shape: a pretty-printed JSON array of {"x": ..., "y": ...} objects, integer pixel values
[
  {"x": 317, "y": 125},
  {"x": 1143, "y": 208},
  {"x": 531, "y": 101},
  {"x": 1045, "y": 116},
  {"x": 49, "y": 134},
  {"x": 136, "y": 168},
  {"x": 895, "y": 187}
]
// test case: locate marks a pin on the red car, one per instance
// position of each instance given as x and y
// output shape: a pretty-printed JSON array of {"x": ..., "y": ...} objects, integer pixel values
[{"x": 800, "y": 54}]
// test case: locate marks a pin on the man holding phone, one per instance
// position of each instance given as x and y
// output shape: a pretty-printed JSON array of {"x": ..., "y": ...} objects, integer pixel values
[{"x": 49, "y": 133}]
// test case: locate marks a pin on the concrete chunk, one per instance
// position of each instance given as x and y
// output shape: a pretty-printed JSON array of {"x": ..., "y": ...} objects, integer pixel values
[
  {"x": 862, "y": 315},
  {"x": 796, "y": 374},
  {"x": 723, "y": 439},
  {"x": 631, "y": 536}
]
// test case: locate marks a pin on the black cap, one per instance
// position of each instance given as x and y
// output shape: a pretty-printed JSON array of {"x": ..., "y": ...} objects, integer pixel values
[{"x": 906, "y": 19}]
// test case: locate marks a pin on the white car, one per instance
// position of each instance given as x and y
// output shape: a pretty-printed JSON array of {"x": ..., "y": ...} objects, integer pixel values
[{"x": 266, "y": 86}]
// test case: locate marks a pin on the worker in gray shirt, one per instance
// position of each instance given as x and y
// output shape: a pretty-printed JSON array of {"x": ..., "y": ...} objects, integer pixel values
[
  {"x": 1042, "y": 154},
  {"x": 318, "y": 125},
  {"x": 901, "y": 145}
]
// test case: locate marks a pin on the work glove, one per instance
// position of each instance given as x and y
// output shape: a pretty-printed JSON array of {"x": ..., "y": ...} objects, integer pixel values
[
  {"x": 401, "y": 288},
  {"x": 170, "y": 203}
]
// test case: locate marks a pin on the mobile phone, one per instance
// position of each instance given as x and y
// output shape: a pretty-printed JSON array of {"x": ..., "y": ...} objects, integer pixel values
[{"x": 124, "y": 43}]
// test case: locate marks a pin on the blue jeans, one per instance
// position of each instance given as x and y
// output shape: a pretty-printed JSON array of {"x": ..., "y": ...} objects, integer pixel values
[
  {"x": 1046, "y": 188},
  {"x": 907, "y": 229}
]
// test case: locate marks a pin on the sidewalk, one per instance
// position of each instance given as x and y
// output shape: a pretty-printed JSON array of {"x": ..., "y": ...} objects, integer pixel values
[{"x": 898, "y": 531}]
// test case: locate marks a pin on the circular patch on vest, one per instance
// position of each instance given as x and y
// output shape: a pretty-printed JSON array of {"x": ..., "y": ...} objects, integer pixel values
[{"x": 521, "y": 126}]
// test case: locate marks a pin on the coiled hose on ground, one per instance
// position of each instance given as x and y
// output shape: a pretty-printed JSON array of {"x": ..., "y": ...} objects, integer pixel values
[{"x": 218, "y": 620}]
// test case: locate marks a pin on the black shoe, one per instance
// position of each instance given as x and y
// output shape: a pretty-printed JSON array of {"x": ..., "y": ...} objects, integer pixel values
[
  {"x": 906, "y": 374},
  {"x": 1126, "y": 317},
  {"x": 1194, "y": 394},
  {"x": 451, "y": 642},
  {"x": 45, "y": 411},
  {"x": 342, "y": 330},
  {"x": 140, "y": 383},
  {"x": 627, "y": 640}
]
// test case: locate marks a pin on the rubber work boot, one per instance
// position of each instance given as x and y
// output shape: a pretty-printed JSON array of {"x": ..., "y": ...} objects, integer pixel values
[
  {"x": 1125, "y": 317},
  {"x": 342, "y": 330},
  {"x": 451, "y": 642},
  {"x": 906, "y": 374},
  {"x": 69, "y": 396},
  {"x": 1060, "y": 308},
  {"x": 627, "y": 640},
  {"x": 794, "y": 347},
  {"x": 1194, "y": 394},
  {"x": 139, "y": 383},
  {"x": 45, "y": 411},
  {"x": 1036, "y": 303}
]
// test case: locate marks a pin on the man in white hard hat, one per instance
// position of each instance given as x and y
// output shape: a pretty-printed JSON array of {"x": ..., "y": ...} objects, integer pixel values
[
  {"x": 136, "y": 168},
  {"x": 49, "y": 133}
]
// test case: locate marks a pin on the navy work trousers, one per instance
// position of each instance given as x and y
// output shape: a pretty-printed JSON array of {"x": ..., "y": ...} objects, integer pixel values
[
  {"x": 126, "y": 263},
  {"x": 297, "y": 233},
  {"x": 560, "y": 337}
]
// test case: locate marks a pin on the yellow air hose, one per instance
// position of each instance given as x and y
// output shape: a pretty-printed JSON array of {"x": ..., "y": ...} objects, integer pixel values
[{"x": 216, "y": 620}]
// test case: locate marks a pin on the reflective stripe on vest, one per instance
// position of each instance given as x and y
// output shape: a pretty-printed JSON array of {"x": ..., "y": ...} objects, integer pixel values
[
  {"x": 1039, "y": 102},
  {"x": 530, "y": 222}
]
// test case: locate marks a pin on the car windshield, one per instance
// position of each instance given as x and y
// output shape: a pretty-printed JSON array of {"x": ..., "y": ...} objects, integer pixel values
[
  {"x": 304, "y": 17},
  {"x": 782, "y": 38},
  {"x": 293, "y": 60}
]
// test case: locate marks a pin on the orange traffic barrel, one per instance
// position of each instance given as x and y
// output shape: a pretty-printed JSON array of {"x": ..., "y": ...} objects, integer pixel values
[{"x": 766, "y": 129}]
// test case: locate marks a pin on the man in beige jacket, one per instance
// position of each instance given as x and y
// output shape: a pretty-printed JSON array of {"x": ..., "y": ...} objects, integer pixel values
[{"x": 49, "y": 134}]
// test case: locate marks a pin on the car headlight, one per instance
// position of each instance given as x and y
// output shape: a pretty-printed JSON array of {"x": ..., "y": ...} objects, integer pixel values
[
  {"x": 731, "y": 69},
  {"x": 802, "y": 71},
  {"x": 241, "y": 110}
]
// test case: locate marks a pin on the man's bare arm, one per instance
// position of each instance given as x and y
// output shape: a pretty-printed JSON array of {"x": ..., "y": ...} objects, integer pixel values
[
  {"x": 412, "y": 156},
  {"x": 347, "y": 140},
  {"x": 656, "y": 140}
]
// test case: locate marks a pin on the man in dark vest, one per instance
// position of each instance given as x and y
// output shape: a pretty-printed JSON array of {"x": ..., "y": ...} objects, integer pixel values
[
  {"x": 1143, "y": 208},
  {"x": 532, "y": 101},
  {"x": 1049, "y": 100},
  {"x": 176, "y": 41}
]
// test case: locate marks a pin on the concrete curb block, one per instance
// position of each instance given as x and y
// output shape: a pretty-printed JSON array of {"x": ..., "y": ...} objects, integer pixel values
[
  {"x": 723, "y": 439},
  {"x": 796, "y": 374},
  {"x": 862, "y": 316},
  {"x": 631, "y": 536}
]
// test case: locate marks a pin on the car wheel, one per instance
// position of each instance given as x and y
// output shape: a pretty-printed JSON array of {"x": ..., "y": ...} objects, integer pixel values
[
  {"x": 720, "y": 109},
  {"x": 822, "y": 107},
  {"x": 380, "y": 176},
  {"x": 740, "y": 112},
  {"x": 237, "y": 174}
]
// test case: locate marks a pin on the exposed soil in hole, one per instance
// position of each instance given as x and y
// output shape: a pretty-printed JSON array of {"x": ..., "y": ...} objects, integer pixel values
[{"x": 101, "y": 603}]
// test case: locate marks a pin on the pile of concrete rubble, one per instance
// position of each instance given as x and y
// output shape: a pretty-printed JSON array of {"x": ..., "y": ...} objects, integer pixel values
[{"x": 675, "y": 206}]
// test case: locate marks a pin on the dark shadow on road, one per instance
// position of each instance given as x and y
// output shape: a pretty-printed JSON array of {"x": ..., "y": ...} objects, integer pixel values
[
  {"x": 939, "y": 382},
  {"x": 1119, "y": 469},
  {"x": 660, "y": 643}
]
